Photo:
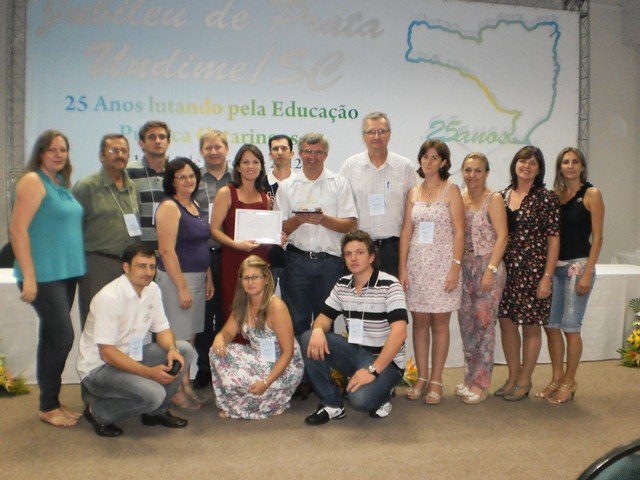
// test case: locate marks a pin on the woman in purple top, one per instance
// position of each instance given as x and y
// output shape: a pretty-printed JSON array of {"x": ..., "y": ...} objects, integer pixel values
[{"x": 184, "y": 273}]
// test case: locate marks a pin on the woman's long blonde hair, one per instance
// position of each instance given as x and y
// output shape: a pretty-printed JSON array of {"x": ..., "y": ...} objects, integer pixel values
[{"x": 240, "y": 305}]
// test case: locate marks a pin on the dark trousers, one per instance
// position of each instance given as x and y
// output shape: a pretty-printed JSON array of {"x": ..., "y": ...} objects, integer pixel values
[
  {"x": 307, "y": 284},
  {"x": 53, "y": 305},
  {"x": 213, "y": 316},
  {"x": 101, "y": 269},
  {"x": 389, "y": 255}
]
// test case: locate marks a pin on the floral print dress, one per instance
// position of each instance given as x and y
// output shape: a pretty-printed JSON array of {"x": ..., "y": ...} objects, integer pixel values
[
  {"x": 428, "y": 263},
  {"x": 526, "y": 255},
  {"x": 242, "y": 366}
]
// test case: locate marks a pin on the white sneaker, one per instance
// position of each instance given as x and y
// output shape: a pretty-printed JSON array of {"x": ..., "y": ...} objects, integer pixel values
[{"x": 382, "y": 412}]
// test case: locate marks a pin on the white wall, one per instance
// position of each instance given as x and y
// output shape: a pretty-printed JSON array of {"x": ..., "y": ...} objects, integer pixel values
[{"x": 614, "y": 128}]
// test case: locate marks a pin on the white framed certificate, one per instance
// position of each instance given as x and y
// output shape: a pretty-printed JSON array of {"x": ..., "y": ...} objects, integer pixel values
[{"x": 263, "y": 226}]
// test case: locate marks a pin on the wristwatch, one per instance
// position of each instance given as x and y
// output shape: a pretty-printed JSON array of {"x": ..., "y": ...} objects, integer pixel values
[
  {"x": 372, "y": 370},
  {"x": 492, "y": 268}
]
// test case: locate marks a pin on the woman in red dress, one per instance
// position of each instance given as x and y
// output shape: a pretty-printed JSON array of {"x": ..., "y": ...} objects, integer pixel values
[{"x": 243, "y": 192}]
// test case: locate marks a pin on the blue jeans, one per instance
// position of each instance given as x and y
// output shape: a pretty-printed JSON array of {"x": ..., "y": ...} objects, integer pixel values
[
  {"x": 307, "y": 284},
  {"x": 347, "y": 358},
  {"x": 567, "y": 308},
  {"x": 53, "y": 306},
  {"x": 117, "y": 394}
]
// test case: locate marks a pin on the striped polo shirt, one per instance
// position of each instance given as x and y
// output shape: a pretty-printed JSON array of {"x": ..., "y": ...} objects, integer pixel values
[{"x": 380, "y": 303}]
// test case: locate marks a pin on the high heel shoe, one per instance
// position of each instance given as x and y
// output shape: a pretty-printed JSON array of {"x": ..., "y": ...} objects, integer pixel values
[
  {"x": 475, "y": 398},
  {"x": 433, "y": 398},
  {"x": 462, "y": 390},
  {"x": 549, "y": 389},
  {"x": 414, "y": 392},
  {"x": 503, "y": 390},
  {"x": 567, "y": 389},
  {"x": 517, "y": 393}
]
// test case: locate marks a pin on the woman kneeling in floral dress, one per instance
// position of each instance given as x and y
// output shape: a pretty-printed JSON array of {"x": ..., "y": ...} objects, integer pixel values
[{"x": 257, "y": 380}]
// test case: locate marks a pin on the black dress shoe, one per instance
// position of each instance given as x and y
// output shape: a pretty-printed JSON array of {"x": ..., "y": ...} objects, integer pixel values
[
  {"x": 110, "y": 430},
  {"x": 165, "y": 419},
  {"x": 203, "y": 378}
]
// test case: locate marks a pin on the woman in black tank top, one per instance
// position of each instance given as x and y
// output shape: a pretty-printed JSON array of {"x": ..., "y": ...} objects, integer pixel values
[{"x": 581, "y": 220}]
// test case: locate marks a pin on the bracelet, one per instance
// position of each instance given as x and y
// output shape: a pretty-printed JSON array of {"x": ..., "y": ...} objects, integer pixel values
[
  {"x": 265, "y": 383},
  {"x": 547, "y": 275},
  {"x": 456, "y": 261}
]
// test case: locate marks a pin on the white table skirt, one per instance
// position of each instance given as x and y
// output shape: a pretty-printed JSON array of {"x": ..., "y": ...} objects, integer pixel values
[{"x": 607, "y": 323}]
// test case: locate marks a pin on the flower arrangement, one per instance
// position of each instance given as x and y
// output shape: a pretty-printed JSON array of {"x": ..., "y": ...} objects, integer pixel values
[
  {"x": 631, "y": 353},
  {"x": 15, "y": 386}
]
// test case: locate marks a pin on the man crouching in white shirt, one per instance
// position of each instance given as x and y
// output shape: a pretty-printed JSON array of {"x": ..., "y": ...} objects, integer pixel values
[{"x": 123, "y": 376}]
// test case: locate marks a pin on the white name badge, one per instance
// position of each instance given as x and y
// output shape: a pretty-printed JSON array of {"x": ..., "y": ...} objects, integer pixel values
[
  {"x": 154, "y": 207},
  {"x": 425, "y": 235},
  {"x": 356, "y": 331},
  {"x": 267, "y": 349},
  {"x": 135, "y": 347},
  {"x": 376, "y": 204},
  {"x": 210, "y": 212},
  {"x": 133, "y": 227}
]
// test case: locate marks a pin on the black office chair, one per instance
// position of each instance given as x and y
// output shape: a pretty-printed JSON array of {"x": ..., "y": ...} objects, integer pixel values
[
  {"x": 622, "y": 463},
  {"x": 6, "y": 256}
]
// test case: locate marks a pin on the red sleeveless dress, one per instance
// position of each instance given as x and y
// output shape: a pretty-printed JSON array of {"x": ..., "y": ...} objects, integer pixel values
[{"x": 232, "y": 258}]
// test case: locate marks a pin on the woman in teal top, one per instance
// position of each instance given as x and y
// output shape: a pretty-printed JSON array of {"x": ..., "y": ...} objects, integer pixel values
[{"x": 46, "y": 236}]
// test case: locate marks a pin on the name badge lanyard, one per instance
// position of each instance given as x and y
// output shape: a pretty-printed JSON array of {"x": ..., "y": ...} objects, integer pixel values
[
  {"x": 361, "y": 321},
  {"x": 133, "y": 210},
  {"x": 130, "y": 220}
]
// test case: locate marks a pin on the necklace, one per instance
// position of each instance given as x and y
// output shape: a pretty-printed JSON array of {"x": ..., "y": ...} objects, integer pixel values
[{"x": 428, "y": 192}]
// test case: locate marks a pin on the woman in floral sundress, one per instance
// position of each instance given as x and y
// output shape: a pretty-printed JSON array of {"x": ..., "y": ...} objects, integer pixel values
[
  {"x": 431, "y": 247},
  {"x": 255, "y": 381}
]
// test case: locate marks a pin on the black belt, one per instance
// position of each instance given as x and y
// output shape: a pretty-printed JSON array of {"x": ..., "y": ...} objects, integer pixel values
[
  {"x": 311, "y": 255},
  {"x": 383, "y": 241},
  {"x": 374, "y": 350}
]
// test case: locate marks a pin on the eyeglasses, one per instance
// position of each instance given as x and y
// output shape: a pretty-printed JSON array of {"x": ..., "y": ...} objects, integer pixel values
[
  {"x": 308, "y": 151},
  {"x": 380, "y": 132},
  {"x": 252, "y": 278},
  {"x": 182, "y": 178},
  {"x": 116, "y": 151}
]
